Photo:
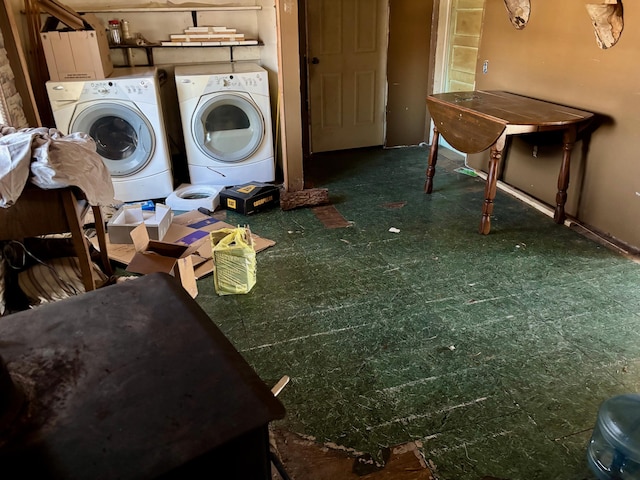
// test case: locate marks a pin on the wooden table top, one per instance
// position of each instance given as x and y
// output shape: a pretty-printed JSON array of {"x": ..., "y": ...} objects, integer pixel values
[
  {"x": 511, "y": 108},
  {"x": 473, "y": 121}
]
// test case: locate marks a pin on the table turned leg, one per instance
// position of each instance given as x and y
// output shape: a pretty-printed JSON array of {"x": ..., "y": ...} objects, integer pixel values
[
  {"x": 491, "y": 185},
  {"x": 568, "y": 140},
  {"x": 433, "y": 158}
]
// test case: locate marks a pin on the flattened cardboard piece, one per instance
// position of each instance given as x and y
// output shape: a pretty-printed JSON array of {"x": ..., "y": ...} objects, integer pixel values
[
  {"x": 140, "y": 238},
  {"x": 197, "y": 220},
  {"x": 187, "y": 277},
  {"x": 153, "y": 256},
  {"x": 197, "y": 260},
  {"x": 145, "y": 264}
]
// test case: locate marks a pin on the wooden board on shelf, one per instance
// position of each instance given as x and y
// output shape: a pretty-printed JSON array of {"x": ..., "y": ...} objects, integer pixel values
[{"x": 210, "y": 44}]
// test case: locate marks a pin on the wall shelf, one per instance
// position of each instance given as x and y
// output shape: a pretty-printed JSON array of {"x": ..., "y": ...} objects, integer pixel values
[
  {"x": 148, "y": 48},
  {"x": 174, "y": 8},
  {"x": 193, "y": 8}
]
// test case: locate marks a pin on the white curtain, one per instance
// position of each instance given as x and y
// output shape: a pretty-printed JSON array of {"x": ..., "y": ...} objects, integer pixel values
[{"x": 11, "y": 112}]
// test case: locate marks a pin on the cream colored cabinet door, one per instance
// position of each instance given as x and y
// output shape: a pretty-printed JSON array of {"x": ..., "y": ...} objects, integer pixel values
[{"x": 346, "y": 45}]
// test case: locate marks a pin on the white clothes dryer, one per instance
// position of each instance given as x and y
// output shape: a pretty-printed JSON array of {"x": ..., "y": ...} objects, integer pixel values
[
  {"x": 226, "y": 119},
  {"x": 123, "y": 114}
]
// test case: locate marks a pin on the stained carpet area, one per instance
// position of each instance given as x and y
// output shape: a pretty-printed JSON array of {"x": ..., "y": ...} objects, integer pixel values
[{"x": 491, "y": 352}]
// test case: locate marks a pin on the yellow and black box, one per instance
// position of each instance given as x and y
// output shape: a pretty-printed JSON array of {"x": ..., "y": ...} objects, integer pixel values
[{"x": 250, "y": 197}]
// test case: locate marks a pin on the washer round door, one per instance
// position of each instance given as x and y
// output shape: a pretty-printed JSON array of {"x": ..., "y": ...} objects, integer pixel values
[
  {"x": 228, "y": 127},
  {"x": 124, "y": 137}
]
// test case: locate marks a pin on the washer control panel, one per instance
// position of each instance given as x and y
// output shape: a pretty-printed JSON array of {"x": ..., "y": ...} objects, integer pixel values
[
  {"x": 136, "y": 89},
  {"x": 106, "y": 87}
]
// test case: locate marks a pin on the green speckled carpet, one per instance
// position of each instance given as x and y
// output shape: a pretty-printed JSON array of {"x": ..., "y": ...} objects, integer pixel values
[{"x": 492, "y": 351}]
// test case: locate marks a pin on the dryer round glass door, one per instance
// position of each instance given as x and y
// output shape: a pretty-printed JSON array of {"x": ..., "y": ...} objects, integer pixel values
[
  {"x": 124, "y": 137},
  {"x": 228, "y": 127}
]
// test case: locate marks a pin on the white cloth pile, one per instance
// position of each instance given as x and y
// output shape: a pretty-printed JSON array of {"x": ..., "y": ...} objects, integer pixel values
[{"x": 50, "y": 159}]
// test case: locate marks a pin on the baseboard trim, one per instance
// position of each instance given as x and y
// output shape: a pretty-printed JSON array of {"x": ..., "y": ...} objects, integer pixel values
[{"x": 570, "y": 222}]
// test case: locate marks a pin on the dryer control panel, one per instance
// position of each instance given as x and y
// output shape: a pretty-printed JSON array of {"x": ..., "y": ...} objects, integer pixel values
[
  {"x": 193, "y": 85},
  {"x": 242, "y": 83}
]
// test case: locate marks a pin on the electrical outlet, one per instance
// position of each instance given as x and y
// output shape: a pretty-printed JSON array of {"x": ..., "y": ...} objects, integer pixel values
[{"x": 485, "y": 67}]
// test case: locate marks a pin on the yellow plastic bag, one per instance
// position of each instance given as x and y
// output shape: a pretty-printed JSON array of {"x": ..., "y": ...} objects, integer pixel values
[{"x": 234, "y": 260}]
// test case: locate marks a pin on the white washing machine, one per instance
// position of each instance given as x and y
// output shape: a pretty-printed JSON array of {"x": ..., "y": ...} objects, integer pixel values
[
  {"x": 226, "y": 119},
  {"x": 123, "y": 114}
]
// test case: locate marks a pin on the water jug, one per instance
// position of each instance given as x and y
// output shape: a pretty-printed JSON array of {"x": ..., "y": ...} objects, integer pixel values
[{"x": 613, "y": 452}]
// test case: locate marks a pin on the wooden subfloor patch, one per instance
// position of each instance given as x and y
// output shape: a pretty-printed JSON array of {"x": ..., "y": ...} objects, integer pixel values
[
  {"x": 394, "y": 205},
  {"x": 306, "y": 459},
  {"x": 330, "y": 217}
]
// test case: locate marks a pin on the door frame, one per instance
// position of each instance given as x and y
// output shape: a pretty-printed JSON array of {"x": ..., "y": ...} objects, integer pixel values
[
  {"x": 442, "y": 61},
  {"x": 304, "y": 79},
  {"x": 441, "y": 54}
]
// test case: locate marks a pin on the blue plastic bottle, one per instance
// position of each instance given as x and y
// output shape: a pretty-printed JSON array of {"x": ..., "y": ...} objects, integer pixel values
[{"x": 614, "y": 449}]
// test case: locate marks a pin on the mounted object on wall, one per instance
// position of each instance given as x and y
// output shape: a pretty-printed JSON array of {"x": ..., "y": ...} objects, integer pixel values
[
  {"x": 519, "y": 11},
  {"x": 608, "y": 22}
]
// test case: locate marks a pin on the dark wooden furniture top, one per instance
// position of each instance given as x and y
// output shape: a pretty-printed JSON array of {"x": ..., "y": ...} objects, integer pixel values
[
  {"x": 60, "y": 210},
  {"x": 479, "y": 120},
  {"x": 473, "y": 121},
  {"x": 132, "y": 380}
]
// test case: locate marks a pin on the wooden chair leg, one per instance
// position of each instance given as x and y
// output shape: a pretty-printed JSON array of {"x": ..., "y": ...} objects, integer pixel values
[
  {"x": 102, "y": 241},
  {"x": 79, "y": 242}
]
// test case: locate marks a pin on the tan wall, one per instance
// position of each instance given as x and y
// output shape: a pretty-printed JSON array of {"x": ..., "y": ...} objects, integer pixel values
[
  {"x": 407, "y": 71},
  {"x": 556, "y": 58}
]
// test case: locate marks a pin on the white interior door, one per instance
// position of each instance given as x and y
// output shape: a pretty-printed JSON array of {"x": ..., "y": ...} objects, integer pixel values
[{"x": 346, "y": 46}]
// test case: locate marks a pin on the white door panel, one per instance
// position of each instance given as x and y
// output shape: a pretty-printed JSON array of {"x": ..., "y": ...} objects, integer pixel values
[{"x": 347, "y": 78}]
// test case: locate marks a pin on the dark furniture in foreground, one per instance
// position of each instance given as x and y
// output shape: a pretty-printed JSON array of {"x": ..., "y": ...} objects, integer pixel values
[
  {"x": 132, "y": 381},
  {"x": 473, "y": 122}
]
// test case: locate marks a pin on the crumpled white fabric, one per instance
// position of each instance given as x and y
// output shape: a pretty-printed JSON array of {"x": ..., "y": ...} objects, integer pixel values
[
  {"x": 15, "y": 157},
  {"x": 55, "y": 160}
]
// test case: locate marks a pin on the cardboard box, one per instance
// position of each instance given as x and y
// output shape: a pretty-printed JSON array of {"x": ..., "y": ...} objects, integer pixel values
[
  {"x": 250, "y": 197},
  {"x": 188, "y": 229},
  {"x": 153, "y": 256},
  {"x": 76, "y": 54},
  {"x": 129, "y": 217}
]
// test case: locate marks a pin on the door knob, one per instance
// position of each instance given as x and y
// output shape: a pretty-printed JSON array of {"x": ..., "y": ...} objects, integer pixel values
[{"x": 315, "y": 60}]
